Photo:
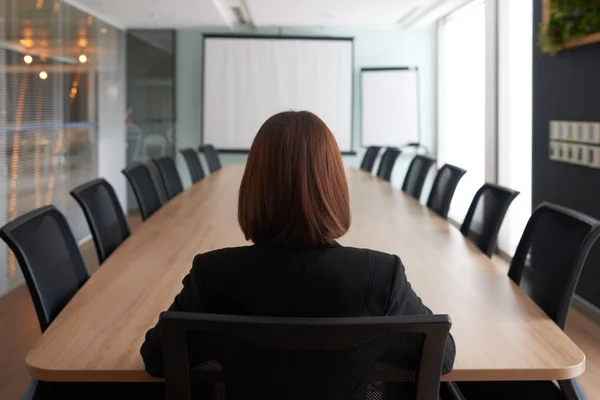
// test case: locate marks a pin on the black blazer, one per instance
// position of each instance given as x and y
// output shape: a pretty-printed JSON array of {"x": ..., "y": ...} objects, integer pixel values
[{"x": 282, "y": 282}]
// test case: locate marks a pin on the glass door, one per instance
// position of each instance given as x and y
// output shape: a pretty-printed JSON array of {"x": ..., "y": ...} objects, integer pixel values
[{"x": 150, "y": 99}]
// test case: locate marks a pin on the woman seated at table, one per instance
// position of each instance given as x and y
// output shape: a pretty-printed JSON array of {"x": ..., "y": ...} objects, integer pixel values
[{"x": 293, "y": 203}]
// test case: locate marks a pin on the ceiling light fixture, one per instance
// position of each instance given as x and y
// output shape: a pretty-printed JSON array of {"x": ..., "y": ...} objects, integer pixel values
[
  {"x": 27, "y": 59},
  {"x": 103, "y": 30},
  {"x": 239, "y": 15},
  {"x": 43, "y": 75},
  {"x": 83, "y": 58}
]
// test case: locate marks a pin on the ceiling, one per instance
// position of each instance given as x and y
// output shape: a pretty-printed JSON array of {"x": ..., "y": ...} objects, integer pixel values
[
  {"x": 154, "y": 13},
  {"x": 379, "y": 14},
  {"x": 46, "y": 29},
  {"x": 326, "y": 13}
]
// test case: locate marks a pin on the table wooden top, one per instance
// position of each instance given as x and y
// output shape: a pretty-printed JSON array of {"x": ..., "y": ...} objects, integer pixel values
[{"x": 500, "y": 333}]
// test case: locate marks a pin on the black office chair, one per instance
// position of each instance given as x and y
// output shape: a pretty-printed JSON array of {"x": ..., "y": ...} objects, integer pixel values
[
  {"x": 416, "y": 175},
  {"x": 212, "y": 157},
  {"x": 193, "y": 163},
  {"x": 386, "y": 165},
  {"x": 104, "y": 215},
  {"x": 443, "y": 189},
  {"x": 486, "y": 214},
  {"x": 551, "y": 255},
  {"x": 286, "y": 358},
  {"x": 369, "y": 159},
  {"x": 546, "y": 265},
  {"x": 144, "y": 188},
  {"x": 49, "y": 257},
  {"x": 170, "y": 177}
]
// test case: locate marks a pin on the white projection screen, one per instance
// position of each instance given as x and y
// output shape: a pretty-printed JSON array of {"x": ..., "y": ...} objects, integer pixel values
[
  {"x": 248, "y": 79},
  {"x": 390, "y": 106}
]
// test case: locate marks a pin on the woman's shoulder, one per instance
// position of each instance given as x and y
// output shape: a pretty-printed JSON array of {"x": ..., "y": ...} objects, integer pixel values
[
  {"x": 225, "y": 253},
  {"x": 375, "y": 257},
  {"x": 383, "y": 268},
  {"x": 346, "y": 255}
]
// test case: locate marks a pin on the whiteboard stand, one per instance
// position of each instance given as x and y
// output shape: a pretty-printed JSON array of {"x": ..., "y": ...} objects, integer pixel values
[{"x": 416, "y": 146}]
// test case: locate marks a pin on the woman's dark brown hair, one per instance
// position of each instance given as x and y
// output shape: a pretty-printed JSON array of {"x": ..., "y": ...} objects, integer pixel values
[{"x": 294, "y": 190}]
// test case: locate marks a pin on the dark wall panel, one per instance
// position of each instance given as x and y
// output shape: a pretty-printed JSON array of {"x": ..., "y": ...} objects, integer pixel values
[{"x": 567, "y": 87}]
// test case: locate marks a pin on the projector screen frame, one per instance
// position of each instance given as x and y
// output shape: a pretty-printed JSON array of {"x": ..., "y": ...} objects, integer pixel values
[
  {"x": 351, "y": 152},
  {"x": 375, "y": 69}
]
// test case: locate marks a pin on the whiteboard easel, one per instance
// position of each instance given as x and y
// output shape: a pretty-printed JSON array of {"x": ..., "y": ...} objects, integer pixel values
[{"x": 390, "y": 114}]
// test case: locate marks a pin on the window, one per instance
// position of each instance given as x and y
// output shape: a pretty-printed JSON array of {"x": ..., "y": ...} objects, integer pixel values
[
  {"x": 462, "y": 100},
  {"x": 485, "y": 105},
  {"x": 515, "y": 38}
]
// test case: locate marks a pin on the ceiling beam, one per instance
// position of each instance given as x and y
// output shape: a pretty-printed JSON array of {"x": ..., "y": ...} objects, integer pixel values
[
  {"x": 225, "y": 11},
  {"x": 431, "y": 14},
  {"x": 95, "y": 13}
]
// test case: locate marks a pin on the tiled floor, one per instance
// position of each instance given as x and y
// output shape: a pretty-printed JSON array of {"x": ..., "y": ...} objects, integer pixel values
[
  {"x": 586, "y": 333},
  {"x": 19, "y": 329}
]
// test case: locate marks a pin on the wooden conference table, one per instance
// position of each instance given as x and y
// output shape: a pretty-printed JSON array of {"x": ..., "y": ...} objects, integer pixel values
[{"x": 500, "y": 333}]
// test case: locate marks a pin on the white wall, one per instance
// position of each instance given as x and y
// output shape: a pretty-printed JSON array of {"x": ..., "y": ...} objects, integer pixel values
[{"x": 388, "y": 48}]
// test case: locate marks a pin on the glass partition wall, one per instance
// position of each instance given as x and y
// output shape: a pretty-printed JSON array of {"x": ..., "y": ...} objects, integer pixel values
[
  {"x": 51, "y": 58},
  {"x": 150, "y": 97}
]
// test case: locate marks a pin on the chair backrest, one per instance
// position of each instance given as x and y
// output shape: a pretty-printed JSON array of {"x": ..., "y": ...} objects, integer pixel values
[
  {"x": 551, "y": 255},
  {"x": 388, "y": 160},
  {"x": 306, "y": 358},
  {"x": 193, "y": 162},
  {"x": 416, "y": 175},
  {"x": 369, "y": 159},
  {"x": 49, "y": 257},
  {"x": 144, "y": 187},
  {"x": 104, "y": 215},
  {"x": 486, "y": 213},
  {"x": 443, "y": 189},
  {"x": 169, "y": 176},
  {"x": 212, "y": 157}
]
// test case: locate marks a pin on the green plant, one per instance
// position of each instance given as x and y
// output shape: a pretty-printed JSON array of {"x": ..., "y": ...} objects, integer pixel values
[{"x": 569, "y": 19}]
